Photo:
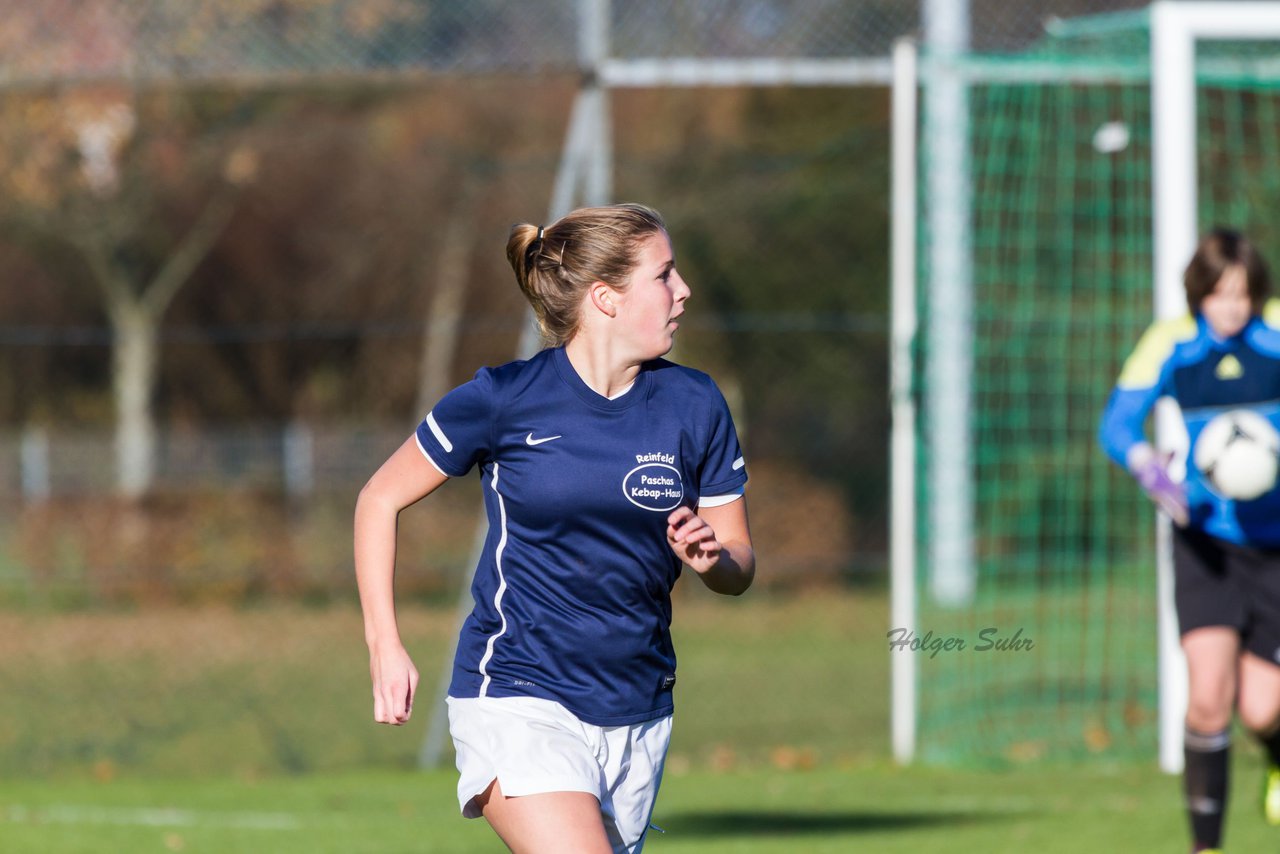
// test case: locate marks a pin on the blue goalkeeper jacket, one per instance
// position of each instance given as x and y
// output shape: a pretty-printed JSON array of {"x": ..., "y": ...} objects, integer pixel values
[{"x": 1183, "y": 360}]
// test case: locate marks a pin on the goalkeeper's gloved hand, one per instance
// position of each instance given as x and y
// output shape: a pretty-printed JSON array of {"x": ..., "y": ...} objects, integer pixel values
[{"x": 1150, "y": 469}]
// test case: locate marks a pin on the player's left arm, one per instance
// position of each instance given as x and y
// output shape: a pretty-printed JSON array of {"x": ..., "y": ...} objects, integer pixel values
[{"x": 715, "y": 542}]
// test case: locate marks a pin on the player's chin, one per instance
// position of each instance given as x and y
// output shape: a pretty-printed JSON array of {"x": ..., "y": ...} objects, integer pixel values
[
  {"x": 662, "y": 347},
  {"x": 1231, "y": 328}
]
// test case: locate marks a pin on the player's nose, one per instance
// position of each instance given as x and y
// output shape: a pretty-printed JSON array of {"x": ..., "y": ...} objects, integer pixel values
[{"x": 682, "y": 290}]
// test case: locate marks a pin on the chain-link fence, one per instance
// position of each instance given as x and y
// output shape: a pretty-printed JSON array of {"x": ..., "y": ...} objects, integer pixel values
[
  {"x": 169, "y": 40},
  {"x": 359, "y": 296}
]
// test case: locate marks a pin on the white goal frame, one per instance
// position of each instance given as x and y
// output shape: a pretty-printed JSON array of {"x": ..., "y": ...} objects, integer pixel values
[{"x": 1175, "y": 28}]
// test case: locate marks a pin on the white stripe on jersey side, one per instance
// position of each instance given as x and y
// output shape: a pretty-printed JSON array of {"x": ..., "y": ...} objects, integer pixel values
[
  {"x": 438, "y": 433},
  {"x": 502, "y": 584},
  {"x": 737, "y": 464},
  {"x": 719, "y": 500},
  {"x": 428, "y": 456}
]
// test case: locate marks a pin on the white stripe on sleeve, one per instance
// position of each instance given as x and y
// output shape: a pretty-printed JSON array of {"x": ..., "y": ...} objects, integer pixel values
[
  {"x": 718, "y": 500},
  {"x": 428, "y": 456},
  {"x": 438, "y": 433}
]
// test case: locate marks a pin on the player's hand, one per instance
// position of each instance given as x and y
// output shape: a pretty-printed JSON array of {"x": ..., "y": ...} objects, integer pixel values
[
  {"x": 1151, "y": 470},
  {"x": 395, "y": 682},
  {"x": 692, "y": 539}
]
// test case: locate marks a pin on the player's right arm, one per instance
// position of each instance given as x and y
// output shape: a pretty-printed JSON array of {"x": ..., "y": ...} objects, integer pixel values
[
  {"x": 1122, "y": 430},
  {"x": 405, "y": 478},
  {"x": 1142, "y": 381},
  {"x": 450, "y": 440}
]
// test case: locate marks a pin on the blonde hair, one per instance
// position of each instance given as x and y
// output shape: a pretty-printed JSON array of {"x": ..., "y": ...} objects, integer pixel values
[{"x": 555, "y": 265}]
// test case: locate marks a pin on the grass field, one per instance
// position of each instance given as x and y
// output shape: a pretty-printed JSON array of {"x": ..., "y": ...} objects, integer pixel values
[
  {"x": 209, "y": 730},
  {"x": 873, "y": 808}
]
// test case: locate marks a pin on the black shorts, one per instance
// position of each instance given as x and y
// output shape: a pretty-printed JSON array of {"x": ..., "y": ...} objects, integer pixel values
[{"x": 1219, "y": 583}]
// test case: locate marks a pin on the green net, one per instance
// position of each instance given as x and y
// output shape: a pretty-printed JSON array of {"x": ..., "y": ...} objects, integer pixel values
[{"x": 1059, "y": 659}]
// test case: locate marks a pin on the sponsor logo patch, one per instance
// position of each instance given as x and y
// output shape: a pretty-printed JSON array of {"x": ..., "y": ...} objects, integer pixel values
[
  {"x": 1229, "y": 368},
  {"x": 654, "y": 486}
]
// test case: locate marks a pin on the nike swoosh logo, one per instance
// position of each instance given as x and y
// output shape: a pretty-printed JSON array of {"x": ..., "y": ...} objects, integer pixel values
[{"x": 529, "y": 440}]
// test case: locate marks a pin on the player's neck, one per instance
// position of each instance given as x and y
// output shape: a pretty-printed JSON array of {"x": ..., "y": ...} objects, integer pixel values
[{"x": 596, "y": 363}]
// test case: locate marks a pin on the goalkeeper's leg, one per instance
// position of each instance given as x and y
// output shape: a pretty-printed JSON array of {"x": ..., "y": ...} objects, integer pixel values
[
  {"x": 1212, "y": 656},
  {"x": 1259, "y": 697},
  {"x": 1260, "y": 712}
]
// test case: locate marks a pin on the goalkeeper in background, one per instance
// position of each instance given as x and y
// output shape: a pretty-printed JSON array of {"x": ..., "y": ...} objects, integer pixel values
[{"x": 1226, "y": 555}]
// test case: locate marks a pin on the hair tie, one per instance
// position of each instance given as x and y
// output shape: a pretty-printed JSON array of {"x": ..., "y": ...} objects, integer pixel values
[{"x": 540, "y": 230}]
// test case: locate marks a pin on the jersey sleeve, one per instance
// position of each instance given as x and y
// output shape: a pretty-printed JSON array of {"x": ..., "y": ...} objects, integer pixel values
[
  {"x": 457, "y": 432},
  {"x": 1142, "y": 382},
  {"x": 724, "y": 470}
]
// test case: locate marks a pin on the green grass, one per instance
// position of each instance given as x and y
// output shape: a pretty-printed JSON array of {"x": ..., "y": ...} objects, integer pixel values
[
  {"x": 218, "y": 730},
  {"x": 200, "y": 691},
  {"x": 764, "y": 811}
]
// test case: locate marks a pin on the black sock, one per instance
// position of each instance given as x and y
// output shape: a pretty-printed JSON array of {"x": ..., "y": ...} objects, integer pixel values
[
  {"x": 1205, "y": 783},
  {"x": 1272, "y": 744}
]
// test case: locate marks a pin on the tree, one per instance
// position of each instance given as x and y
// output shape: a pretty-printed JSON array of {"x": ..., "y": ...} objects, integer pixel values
[{"x": 79, "y": 178}]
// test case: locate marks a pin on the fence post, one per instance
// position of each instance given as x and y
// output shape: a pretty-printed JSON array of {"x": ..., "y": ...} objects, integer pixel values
[
  {"x": 34, "y": 460},
  {"x": 299, "y": 459}
]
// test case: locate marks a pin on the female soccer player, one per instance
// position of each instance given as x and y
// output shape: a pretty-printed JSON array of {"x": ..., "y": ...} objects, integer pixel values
[
  {"x": 1226, "y": 553},
  {"x": 604, "y": 468}
]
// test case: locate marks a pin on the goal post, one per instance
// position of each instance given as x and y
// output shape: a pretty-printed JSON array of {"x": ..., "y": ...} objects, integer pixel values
[
  {"x": 1096, "y": 158},
  {"x": 902, "y": 464}
]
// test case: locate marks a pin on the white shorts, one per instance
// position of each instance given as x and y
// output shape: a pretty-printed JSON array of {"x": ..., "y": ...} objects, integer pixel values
[{"x": 533, "y": 746}]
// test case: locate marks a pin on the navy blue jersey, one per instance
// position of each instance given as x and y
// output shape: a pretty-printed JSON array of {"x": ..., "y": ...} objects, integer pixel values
[
  {"x": 573, "y": 589},
  {"x": 1182, "y": 359}
]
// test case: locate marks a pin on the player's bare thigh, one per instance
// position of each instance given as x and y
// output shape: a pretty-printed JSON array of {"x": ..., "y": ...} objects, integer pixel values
[
  {"x": 1213, "y": 656},
  {"x": 546, "y": 823},
  {"x": 1259, "y": 700}
]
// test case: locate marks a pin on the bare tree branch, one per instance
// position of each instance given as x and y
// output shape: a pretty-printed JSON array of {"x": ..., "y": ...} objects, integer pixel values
[
  {"x": 195, "y": 245},
  {"x": 97, "y": 256}
]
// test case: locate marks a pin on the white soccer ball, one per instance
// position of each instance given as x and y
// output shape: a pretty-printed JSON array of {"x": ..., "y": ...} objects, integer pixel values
[
  {"x": 1239, "y": 453},
  {"x": 1111, "y": 138}
]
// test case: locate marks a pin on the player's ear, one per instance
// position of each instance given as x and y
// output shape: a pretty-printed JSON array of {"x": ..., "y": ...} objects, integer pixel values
[{"x": 602, "y": 298}]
